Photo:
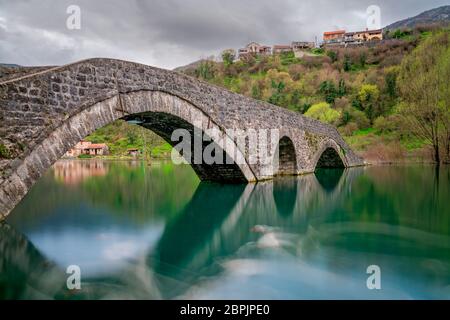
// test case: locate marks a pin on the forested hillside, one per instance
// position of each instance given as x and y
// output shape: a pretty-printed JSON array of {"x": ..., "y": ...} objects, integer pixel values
[{"x": 364, "y": 91}]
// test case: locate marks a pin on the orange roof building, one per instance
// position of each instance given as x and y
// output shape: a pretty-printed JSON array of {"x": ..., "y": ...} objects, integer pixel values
[
  {"x": 87, "y": 147},
  {"x": 333, "y": 35}
]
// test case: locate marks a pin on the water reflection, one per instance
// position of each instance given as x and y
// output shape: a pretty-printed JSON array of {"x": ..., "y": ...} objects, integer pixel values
[
  {"x": 329, "y": 178},
  {"x": 24, "y": 271},
  {"x": 285, "y": 195},
  {"x": 140, "y": 232},
  {"x": 72, "y": 172}
]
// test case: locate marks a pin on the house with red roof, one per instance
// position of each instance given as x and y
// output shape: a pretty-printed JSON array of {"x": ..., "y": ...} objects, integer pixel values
[
  {"x": 333, "y": 36},
  {"x": 89, "y": 148}
]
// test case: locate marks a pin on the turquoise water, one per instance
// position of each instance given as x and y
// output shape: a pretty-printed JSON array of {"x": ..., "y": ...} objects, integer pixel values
[{"x": 152, "y": 232}]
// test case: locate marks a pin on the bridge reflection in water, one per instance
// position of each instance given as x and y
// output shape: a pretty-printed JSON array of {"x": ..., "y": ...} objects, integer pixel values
[{"x": 302, "y": 237}]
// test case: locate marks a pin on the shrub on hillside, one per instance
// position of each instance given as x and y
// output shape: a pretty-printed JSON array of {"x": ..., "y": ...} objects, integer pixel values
[
  {"x": 348, "y": 129},
  {"x": 333, "y": 55},
  {"x": 341, "y": 103},
  {"x": 4, "y": 152},
  {"x": 315, "y": 62},
  {"x": 369, "y": 96},
  {"x": 388, "y": 125},
  {"x": 296, "y": 71},
  {"x": 356, "y": 116},
  {"x": 206, "y": 70},
  {"x": 323, "y": 112}
]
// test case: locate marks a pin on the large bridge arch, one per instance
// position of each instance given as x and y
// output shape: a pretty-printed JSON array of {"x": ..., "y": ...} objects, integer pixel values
[
  {"x": 161, "y": 112},
  {"x": 45, "y": 113}
]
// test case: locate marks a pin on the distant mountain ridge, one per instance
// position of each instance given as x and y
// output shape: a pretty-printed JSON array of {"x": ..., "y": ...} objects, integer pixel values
[
  {"x": 190, "y": 66},
  {"x": 9, "y": 65},
  {"x": 436, "y": 15}
]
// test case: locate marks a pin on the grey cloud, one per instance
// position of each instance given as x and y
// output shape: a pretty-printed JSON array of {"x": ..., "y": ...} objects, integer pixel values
[{"x": 169, "y": 33}]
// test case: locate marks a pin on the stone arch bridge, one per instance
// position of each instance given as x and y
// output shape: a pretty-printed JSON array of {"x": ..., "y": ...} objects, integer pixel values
[{"x": 45, "y": 113}]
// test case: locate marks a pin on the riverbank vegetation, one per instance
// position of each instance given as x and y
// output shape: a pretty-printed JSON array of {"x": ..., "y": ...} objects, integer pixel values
[
  {"x": 122, "y": 137},
  {"x": 389, "y": 101}
]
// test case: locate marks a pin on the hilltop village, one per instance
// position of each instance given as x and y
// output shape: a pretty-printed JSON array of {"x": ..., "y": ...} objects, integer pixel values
[{"x": 337, "y": 38}]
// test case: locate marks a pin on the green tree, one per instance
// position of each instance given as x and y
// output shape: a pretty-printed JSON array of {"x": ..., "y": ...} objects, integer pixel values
[
  {"x": 322, "y": 112},
  {"x": 278, "y": 96},
  {"x": 333, "y": 55},
  {"x": 362, "y": 59},
  {"x": 295, "y": 97},
  {"x": 399, "y": 33},
  {"x": 358, "y": 117},
  {"x": 342, "y": 89},
  {"x": 132, "y": 137},
  {"x": 347, "y": 65},
  {"x": 228, "y": 57},
  {"x": 205, "y": 70},
  {"x": 346, "y": 116},
  {"x": 256, "y": 92},
  {"x": 369, "y": 96},
  {"x": 425, "y": 88},
  {"x": 328, "y": 89},
  {"x": 390, "y": 79},
  {"x": 304, "y": 106},
  {"x": 356, "y": 103}
]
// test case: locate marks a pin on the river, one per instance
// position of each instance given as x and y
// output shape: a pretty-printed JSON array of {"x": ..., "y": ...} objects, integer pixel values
[{"x": 156, "y": 232}]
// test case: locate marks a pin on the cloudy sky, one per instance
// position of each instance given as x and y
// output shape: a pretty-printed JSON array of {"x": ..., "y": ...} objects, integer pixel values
[{"x": 171, "y": 33}]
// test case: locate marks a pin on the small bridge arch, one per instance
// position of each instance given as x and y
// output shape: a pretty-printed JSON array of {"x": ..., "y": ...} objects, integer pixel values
[
  {"x": 285, "y": 157},
  {"x": 330, "y": 155}
]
